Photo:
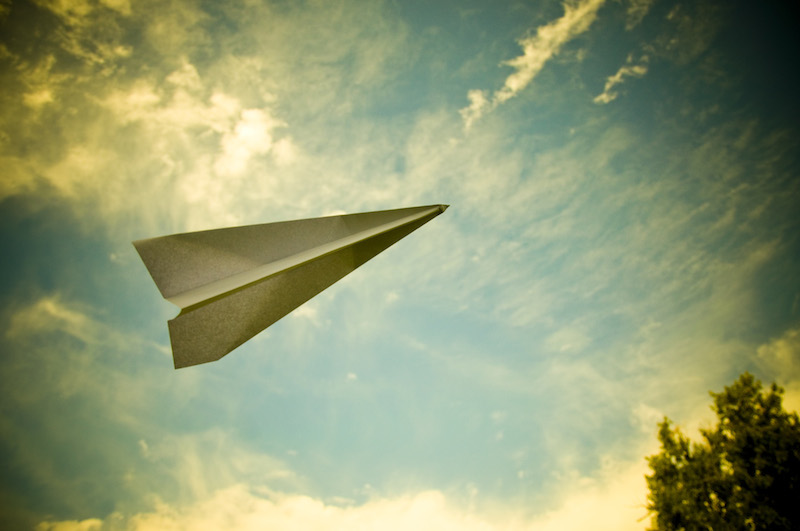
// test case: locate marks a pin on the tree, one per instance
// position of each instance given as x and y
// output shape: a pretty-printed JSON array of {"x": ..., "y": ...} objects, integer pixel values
[{"x": 744, "y": 475}]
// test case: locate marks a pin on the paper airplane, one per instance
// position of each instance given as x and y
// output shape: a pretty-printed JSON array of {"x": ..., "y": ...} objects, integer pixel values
[{"x": 231, "y": 284}]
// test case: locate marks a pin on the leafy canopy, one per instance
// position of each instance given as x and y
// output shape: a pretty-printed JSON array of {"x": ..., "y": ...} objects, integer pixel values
[{"x": 745, "y": 474}]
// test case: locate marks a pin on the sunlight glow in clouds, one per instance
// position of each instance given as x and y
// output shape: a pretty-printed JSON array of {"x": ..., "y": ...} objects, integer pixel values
[
  {"x": 608, "y": 507},
  {"x": 603, "y": 265},
  {"x": 252, "y": 135}
]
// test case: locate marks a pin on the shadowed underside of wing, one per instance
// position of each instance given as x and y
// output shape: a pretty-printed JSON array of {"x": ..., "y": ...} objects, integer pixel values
[{"x": 233, "y": 283}]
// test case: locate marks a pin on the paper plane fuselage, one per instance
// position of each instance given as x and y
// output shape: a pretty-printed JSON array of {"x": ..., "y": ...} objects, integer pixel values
[{"x": 231, "y": 284}]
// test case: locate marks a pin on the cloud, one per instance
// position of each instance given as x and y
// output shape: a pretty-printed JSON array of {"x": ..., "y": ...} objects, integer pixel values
[
  {"x": 51, "y": 314},
  {"x": 783, "y": 354},
  {"x": 537, "y": 50},
  {"x": 478, "y": 104},
  {"x": 92, "y": 32},
  {"x": 136, "y": 122},
  {"x": 781, "y": 358},
  {"x": 71, "y": 351},
  {"x": 91, "y": 524},
  {"x": 68, "y": 9},
  {"x": 627, "y": 70},
  {"x": 690, "y": 30},
  {"x": 252, "y": 135},
  {"x": 39, "y": 79},
  {"x": 646, "y": 417},
  {"x": 59, "y": 352},
  {"x": 74, "y": 10},
  {"x": 308, "y": 311},
  {"x": 196, "y": 147},
  {"x": 38, "y": 98},
  {"x": 242, "y": 508},
  {"x": 552, "y": 242},
  {"x": 636, "y": 11},
  {"x": 614, "y": 501}
]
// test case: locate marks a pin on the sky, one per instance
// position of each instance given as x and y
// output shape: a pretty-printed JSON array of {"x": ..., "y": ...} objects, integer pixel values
[{"x": 621, "y": 240}]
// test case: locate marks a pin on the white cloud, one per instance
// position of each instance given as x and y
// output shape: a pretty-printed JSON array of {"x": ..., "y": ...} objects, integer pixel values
[
  {"x": 537, "y": 50},
  {"x": 307, "y": 311},
  {"x": 627, "y": 70},
  {"x": 478, "y": 104},
  {"x": 612, "y": 506},
  {"x": 252, "y": 135},
  {"x": 241, "y": 508},
  {"x": 204, "y": 152},
  {"x": 615, "y": 502},
  {"x": 612, "y": 501},
  {"x": 182, "y": 145},
  {"x": 174, "y": 106}
]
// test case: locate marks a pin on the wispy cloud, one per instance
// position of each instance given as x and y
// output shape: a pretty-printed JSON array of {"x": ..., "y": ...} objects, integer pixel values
[
  {"x": 51, "y": 314},
  {"x": 537, "y": 50},
  {"x": 84, "y": 39},
  {"x": 636, "y": 11},
  {"x": 629, "y": 69}
]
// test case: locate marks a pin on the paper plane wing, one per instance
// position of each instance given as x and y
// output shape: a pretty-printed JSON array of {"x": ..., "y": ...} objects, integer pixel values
[{"x": 231, "y": 284}]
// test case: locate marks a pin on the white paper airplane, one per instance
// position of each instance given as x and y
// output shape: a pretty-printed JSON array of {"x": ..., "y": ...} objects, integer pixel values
[{"x": 231, "y": 284}]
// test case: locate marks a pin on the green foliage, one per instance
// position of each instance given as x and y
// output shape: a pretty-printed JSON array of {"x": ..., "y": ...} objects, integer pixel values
[{"x": 744, "y": 475}]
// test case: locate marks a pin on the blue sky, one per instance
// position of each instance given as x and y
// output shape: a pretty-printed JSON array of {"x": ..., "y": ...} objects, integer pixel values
[{"x": 622, "y": 238}]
